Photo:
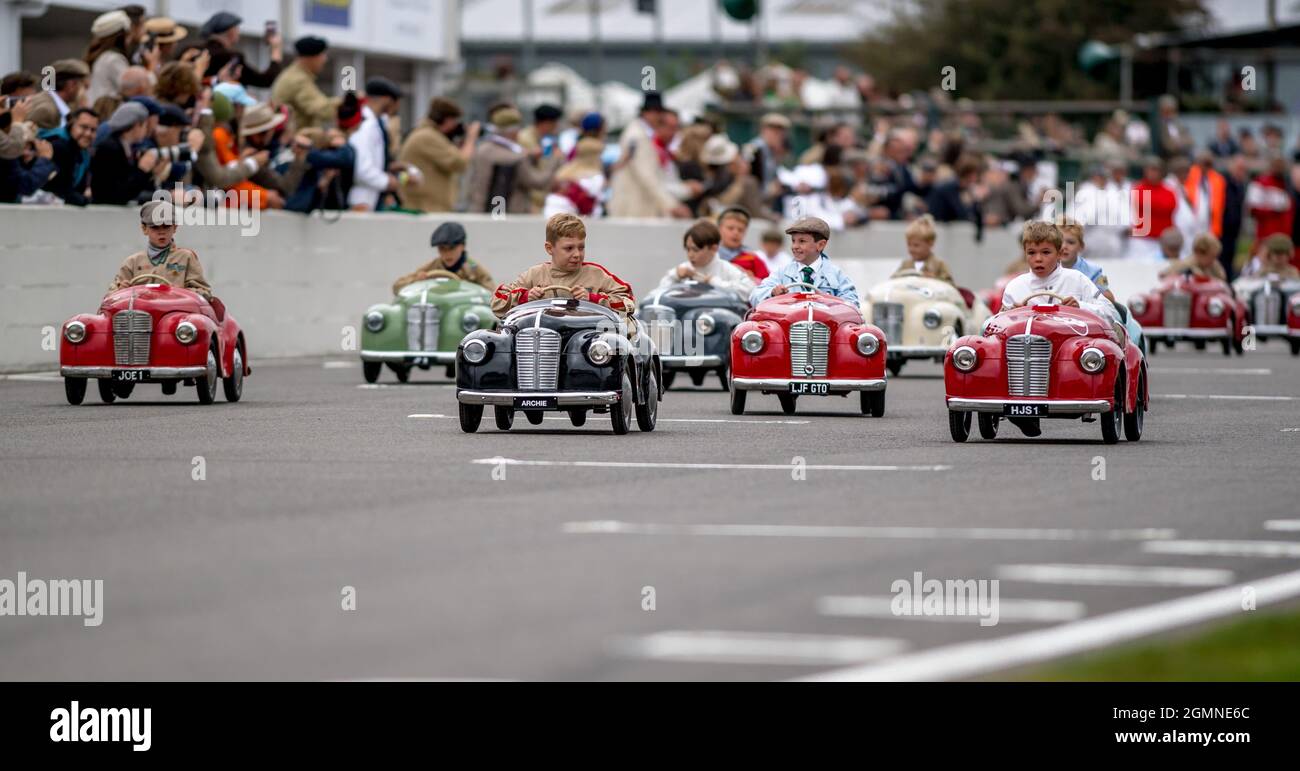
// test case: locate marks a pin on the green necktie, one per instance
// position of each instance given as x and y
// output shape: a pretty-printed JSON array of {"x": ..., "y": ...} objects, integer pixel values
[{"x": 808, "y": 275}]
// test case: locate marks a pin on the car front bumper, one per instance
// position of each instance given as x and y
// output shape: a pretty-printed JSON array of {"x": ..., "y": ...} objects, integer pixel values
[
  {"x": 783, "y": 384},
  {"x": 916, "y": 351},
  {"x": 1275, "y": 330},
  {"x": 434, "y": 357},
  {"x": 155, "y": 373},
  {"x": 562, "y": 398},
  {"x": 1186, "y": 333},
  {"x": 691, "y": 362},
  {"x": 1060, "y": 406}
]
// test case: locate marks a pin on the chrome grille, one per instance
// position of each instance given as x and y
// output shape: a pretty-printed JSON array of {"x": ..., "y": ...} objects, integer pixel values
[
  {"x": 131, "y": 332},
  {"x": 1267, "y": 307},
  {"x": 423, "y": 323},
  {"x": 809, "y": 344},
  {"x": 1178, "y": 310},
  {"x": 1029, "y": 359},
  {"x": 537, "y": 359},
  {"x": 889, "y": 317}
]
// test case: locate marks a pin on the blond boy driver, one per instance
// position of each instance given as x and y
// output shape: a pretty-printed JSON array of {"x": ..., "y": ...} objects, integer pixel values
[{"x": 566, "y": 243}]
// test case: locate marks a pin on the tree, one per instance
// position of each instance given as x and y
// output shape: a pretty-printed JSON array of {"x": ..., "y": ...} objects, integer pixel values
[{"x": 1011, "y": 49}]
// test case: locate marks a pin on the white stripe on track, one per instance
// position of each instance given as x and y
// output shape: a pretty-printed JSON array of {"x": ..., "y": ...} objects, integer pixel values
[
  {"x": 852, "y": 531},
  {"x": 721, "y": 466},
  {"x": 1226, "y": 548},
  {"x": 1283, "y": 525},
  {"x": 1028, "y": 611},
  {"x": 1114, "y": 575},
  {"x": 723, "y": 647},
  {"x": 661, "y": 420},
  {"x": 1227, "y": 397}
]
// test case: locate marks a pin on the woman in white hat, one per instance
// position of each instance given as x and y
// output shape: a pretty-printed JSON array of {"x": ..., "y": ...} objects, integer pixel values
[{"x": 107, "y": 54}]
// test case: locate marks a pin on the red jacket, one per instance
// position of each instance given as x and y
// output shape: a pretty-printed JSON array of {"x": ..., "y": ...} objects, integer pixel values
[
  {"x": 1153, "y": 209},
  {"x": 1270, "y": 206}
]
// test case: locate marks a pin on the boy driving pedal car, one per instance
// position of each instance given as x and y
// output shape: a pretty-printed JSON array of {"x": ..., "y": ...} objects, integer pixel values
[
  {"x": 449, "y": 240},
  {"x": 921, "y": 235},
  {"x": 566, "y": 243},
  {"x": 703, "y": 264},
  {"x": 808, "y": 239},
  {"x": 162, "y": 257}
]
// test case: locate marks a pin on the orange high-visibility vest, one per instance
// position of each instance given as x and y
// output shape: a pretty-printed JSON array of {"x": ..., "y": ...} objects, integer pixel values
[{"x": 1218, "y": 195}]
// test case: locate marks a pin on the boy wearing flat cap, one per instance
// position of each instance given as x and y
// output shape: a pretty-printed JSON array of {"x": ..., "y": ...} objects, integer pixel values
[
  {"x": 162, "y": 257},
  {"x": 808, "y": 239},
  {"x": 449, "y": 240}
]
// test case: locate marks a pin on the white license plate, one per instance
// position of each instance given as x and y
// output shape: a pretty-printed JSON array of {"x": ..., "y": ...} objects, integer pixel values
[
  {"x": 811, "y": 388},
  {"x": 1024, "y": 410},
  {"x": 130, "y": 375}
]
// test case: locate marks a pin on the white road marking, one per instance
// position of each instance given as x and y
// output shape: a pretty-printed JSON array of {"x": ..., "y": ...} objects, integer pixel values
[
  {"x": 661, "y": 420},
  {"x": 1227, "y": 397},
  {"x": 1285, "y": 525},
  {"x": 33, "y": 376},
  {"x": 1008, "y": 610},
  {"x": 854, "y": 531},
  {"x": 975, "y": 658},
  {"x": 1289, "y": 430},
  {"x": 721, "y": 466},
  {"x": 721, "y": 647},
  {"x": 1114, "y": 575},
  {"x": 1207, "y": 371},
  {"x": 1226, "y": 548},
  {"x": 374, "y": 386},
  {"x": 338, "y": 365}
]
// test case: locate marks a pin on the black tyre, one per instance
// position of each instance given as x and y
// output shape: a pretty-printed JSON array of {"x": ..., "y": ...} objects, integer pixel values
[
  {"x": 505, "y": 417},
  {"x": 206, "y": 386},
  {"x": 724, "y": 377},
  {"x": 450, "y": 371},
  {"x": 233, "y": 386},
  {"x": 988, "y": 423},
  {"x": 403, "y": 371},
  {"x": 123, "y": 390},
  {"x": 169, "y": 388},
  {"x": 106, "y": 393},
  {"x": 895, "y": 366},
  {"x": 370, "y": 370},
  {"x": 1198, "y": 345},
  {"x": 578, "y": 417},
  {"x": 669, "y": 377},
  {"x": 648, "y": 414},
  {"x": 470, "y": 416},
  {"x": 535, "y": 417},
  {"x": 872, "y": 403},
  {"x": 959, "y": 425},
  {"x": 1133, "y": 421},
  {"x": 788, "y": 403},
  {"x": 1295, "y": 345},
  {"x": 75, "y": 389},
  {"x": 737, "y": 401},
  {"x": 1227, "y": 346},
  {"x": 1112, "y": 422},
  {"x": 620, "y": 415},
  {"x": 697, "y": 377}
]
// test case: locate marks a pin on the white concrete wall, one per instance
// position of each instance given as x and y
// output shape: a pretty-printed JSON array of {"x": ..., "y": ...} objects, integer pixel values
[{"x": 296, "y": 284}]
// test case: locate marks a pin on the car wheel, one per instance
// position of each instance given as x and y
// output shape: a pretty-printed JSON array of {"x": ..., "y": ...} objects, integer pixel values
[
  {"x": 233, "y": 386},
  {"x": 788, "y": 402},
  {"x": 505, "y": 417},
  {"x": 1295, "y": 346},
  {"x": 578, "y": 417},
  {"x": 697, "y": 377},
  {"x": 371, "y": 369},
  {"x": 450, "y": 371},
  {"x": 620, "y": 415},
  {"x": 724, "y": 377},
  {"x": 669, "y": 377},
  {"x": 106, "y": 393},
  {"x": 75, "y": 389},
  {"x": 872, "y": 403},
  {"x": 895, "y": 366},
  {"x": 535, "y": 417},
  {"x": 1238, "y": 345},
  {"x": 959, "y": 425},
  {"x": 169, "y": 388},
  {"x": 1198, "y": 345},
  {"x": 988, "y": 423},
  {"x": 207, "y": 385},
  {"x": 470, "y": 416},
  {"x": 123, "y": 390},
  {"x": 1112, "y": 422},
  {"x": 648, "y": 414},
  {"x": 403, "y": 371},
  {"x": 1133, "y": 420},
  {"x": 737, "y": 401}
]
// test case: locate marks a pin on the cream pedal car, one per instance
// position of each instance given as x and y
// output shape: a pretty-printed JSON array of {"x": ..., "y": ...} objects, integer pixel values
[{"x": 922, "y": 316}]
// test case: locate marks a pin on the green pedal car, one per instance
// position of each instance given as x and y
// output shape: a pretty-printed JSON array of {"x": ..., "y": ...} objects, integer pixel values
[{"x": 422, "y": 326}]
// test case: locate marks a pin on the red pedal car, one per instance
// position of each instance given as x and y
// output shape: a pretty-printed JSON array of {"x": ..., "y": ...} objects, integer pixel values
[
  {"x": 803, "y": 343},
  {"x": 153, "y": 333},
  {"x": 1196, "y": 308},
  {"x": 1046, "y": 361}
]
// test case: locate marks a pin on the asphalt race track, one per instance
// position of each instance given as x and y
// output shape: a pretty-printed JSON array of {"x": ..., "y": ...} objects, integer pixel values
[{"x": 316, "y": 482}]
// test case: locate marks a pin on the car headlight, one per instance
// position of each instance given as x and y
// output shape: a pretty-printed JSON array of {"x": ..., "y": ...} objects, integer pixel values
[
  {"x": 374, "y": 321},
  {"x": 469, "y": 322},
  {"x": 932, "y": 319},
  {"x": 965, "y": 358},
  {"x": 752, "y": 341},
  {"x": 868, "y": 344},
  {"x": 186, "y": 332},
  {"x": 475, "y": 351},
  {"x": 1137, "y": 305},
  {"x": 1214, "y": 307},
  {"x": 705, "y": 324},
  {"x": 599, "y": 352},
  {"x": 1092, "y": 360},
  {"x": 74, "y": 332}
]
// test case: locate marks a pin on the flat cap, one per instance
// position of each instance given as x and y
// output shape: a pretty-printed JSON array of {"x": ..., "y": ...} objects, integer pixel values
[
  {"x": 448, "y": 234},
  {"x": 506, "y": 117},
  {"x": 157, "y": 212},
  {"x": 817, "y": 228},
  {"x": 171, "y": 115},
  {"x": 127, "y": 115},
  {"x": 73, "y": 67},
  {"x": 383, "y": 87},
  {"x": 310, "y": 45},
  {"x": 219, "y": 22}
]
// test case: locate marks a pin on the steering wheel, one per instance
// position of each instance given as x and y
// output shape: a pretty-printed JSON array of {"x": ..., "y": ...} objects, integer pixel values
[
  {"x": 428, "y": 274},
  {"x": 556, "y": 287},
  {"x": 909, "y": 273},
  {"x": 811, "y": 287},
  {"x": 1043, "y": 293},
  {"x": 161, "y": 280}
]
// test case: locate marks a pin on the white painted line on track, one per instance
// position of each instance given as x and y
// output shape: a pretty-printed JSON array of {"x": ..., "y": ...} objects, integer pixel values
[
  {"x": 1227, "y": 397},
  {"x": 1283, "y": 525},
  {"x": 33, "y": 376},
  {"x": 614, "y": 527},
  {"x": 1226, "y": 548},
  {"x": 378, "y": 386},
  {"x": 338, "y": 365},
  {"x": 721, "y": 647},
  {"x": 1289, "y": 430},
  {"x": 975, "y": 658},
  {"x": 1207, "y": 371},
  {"x": 722, "y": 466},
  {"x": 1114, "y": 575},
  {"x": 661, "y": 420},
  {"x": 1028, "y": 611}
]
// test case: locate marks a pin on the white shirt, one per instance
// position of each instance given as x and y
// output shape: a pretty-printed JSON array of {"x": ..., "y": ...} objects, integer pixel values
[
  {"x": 722, "y": 275},
  {"x": 369, "y": 174},
  {"x": 1065, "y": 282},
  {"x": 777, "y": 261},
  {"x": 62, "y": 107}
]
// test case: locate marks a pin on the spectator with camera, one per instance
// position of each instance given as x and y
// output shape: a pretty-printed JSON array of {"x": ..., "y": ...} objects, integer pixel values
[
  {"x": 440, "y": 149},
  {"x": 120, "y": 173}
]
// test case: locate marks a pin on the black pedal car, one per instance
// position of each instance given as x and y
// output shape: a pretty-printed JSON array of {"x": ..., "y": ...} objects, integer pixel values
[{"x": 690, "y": 323}]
